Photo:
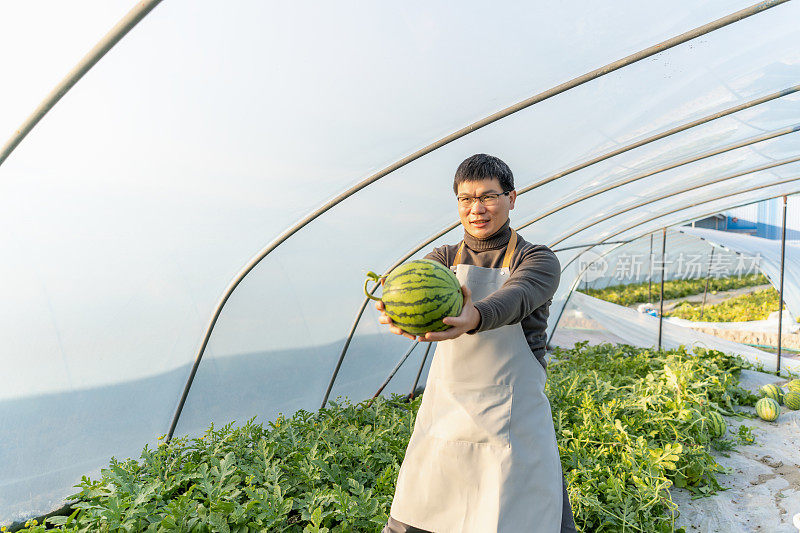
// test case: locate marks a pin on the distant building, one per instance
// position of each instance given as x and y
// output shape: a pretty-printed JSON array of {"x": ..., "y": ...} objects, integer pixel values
[
  {"x": 762, "y": 219},
  {"x": 717, "y": 221}
]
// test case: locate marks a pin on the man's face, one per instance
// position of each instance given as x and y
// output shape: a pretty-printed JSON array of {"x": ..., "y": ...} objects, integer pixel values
[{"x": 479, "y": 220}]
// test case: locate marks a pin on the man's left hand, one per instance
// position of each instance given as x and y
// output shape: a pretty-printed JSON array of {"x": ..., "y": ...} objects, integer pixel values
[{"x": 468, "y": 320}]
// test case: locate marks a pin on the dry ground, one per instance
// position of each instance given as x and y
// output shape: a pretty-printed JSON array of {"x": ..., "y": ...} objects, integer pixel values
[{"x": 763, "y": 479}]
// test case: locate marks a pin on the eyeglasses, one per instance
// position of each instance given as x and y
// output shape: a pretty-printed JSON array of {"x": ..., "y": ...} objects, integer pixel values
[{"x": 488, "y": 200}]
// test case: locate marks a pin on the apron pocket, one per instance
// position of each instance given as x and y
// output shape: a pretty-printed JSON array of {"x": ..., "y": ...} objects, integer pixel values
[{"x": 471, "y": 412}]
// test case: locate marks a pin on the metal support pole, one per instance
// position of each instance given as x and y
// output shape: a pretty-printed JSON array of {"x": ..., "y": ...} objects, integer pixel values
[
  {"x": 120, "y": 30},
  {"x": 416, "y": 380},
  {"x": 780, "y": 291},
  {"x": 344, "y": 349},
  {"x": 574, "y": 287},
  {"x": 708, "y": 276},
  {"x": 663, "y": 274},
  {"x": 393, "y": 372},
  {"x": 650, "y": 274}
]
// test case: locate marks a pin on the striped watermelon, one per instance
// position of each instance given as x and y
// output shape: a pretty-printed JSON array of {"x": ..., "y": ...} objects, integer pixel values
[
  {"x": 792, "y": 400},
  {"x": 772, "y": 391},
  {"x": 717, "y": 425},
  {"x": 418, "y": 294},
  {"x": 768, "y": 409},
  {"x": 794, "y": 385}
]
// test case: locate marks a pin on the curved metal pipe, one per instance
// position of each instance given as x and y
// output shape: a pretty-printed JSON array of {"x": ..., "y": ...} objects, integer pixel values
[
  {"x": 565, "y": 248},
  {"x": 393, "y": 372},
  {"x": 344, "y": 349},
  {"x": 695, "y": 204},
  {"x": 662, "y": 135},
  {"x": 704, "y": 155},
  {"x": 364, "y": 305},
  {"x": 419, "y": 373},
  {"x": 576, "y": 281},
  {"x": 681, "y": 191},
  {"x": 689, "y": 219},
  {"x": 120, "y": 29},
  {"x": 602, "y": 157},
  {"x": 519, "y": 106}
]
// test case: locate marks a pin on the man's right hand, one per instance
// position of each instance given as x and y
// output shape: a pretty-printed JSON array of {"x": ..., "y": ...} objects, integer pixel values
[{"x": 384, "y": 319}]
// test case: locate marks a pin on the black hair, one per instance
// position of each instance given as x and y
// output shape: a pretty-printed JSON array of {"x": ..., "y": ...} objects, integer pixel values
[{"x": 481, "y": 167}]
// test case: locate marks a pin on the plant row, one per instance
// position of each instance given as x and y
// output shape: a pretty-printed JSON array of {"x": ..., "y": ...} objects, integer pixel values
[
  {"x": 630, "y": 424},
  {"x": 754, "y": 306},
  {"x": 644, "y": 292}
]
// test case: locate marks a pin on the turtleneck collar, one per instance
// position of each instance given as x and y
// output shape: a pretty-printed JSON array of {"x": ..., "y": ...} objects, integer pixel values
[{"x": 493, "y": 242}]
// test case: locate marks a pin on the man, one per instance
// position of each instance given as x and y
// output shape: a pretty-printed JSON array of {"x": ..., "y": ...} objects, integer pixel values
[{"x": 473, "y": 463}]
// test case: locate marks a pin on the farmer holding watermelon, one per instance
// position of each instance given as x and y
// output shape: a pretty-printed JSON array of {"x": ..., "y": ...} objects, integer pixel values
[{"x": 483, "y": 454}]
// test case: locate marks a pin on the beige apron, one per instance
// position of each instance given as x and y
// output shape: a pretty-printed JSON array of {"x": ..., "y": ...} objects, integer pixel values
[{"x": 483, "y": 454}]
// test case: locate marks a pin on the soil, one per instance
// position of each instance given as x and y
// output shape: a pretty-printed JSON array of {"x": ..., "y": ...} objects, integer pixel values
[{"x": 763, "y": 479}]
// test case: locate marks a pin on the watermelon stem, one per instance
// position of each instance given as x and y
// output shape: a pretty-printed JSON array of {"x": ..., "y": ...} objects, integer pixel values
[{"x": 374, "y": 277}]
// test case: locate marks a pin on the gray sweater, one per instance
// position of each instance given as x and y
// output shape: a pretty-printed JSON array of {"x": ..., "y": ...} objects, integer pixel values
[{"x": 526, "y": 295}]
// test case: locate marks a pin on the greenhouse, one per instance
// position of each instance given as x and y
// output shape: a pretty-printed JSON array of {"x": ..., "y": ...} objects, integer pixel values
[{"x": 193, "y": 194}]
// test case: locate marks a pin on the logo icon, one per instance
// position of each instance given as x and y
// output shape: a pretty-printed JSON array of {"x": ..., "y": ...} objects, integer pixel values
[{"x": 592, "y": 265}]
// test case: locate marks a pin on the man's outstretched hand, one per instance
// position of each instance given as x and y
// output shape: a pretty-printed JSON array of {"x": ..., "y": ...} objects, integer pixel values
[{"x": 468, "y": 320}]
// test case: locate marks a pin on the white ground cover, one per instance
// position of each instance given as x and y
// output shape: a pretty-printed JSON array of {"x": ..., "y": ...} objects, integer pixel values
[
  {"x": 763, "y": 479},
  {"x": 599, "y": 321}
]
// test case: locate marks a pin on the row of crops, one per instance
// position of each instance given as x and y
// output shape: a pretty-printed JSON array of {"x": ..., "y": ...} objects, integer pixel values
[
  {"x": 646, "y": 292},
  {"x": 754, "y": 306},
  {"x": 630, "y": 424},
  {"x": 757, "y": 305}
]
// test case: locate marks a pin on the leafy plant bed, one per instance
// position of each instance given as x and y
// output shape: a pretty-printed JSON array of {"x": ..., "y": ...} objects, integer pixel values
[
  {"x": 678, "y": 288},
  {"x": 630, "y": 423},
  {"x": 754, "y": 306}
]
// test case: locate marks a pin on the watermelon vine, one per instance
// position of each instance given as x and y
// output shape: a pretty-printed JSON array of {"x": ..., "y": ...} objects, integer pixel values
[{"x": 630, "y": 424}]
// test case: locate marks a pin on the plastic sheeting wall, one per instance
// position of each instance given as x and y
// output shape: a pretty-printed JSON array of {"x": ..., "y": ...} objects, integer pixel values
[
  {"x": 687, "y": 257},
  {"x": 601, "y": 321},
  {"x": 208, "y": 131},
  {"x": 769, "y": 254}
]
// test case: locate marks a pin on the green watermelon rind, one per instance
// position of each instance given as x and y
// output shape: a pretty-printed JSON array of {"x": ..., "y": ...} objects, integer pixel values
[
  {"x": 771, "y": 390},
  {"x": 794, "y": 385},
  {"x": 768, "y": 409},
  {"x": 792, "y": 400},
  {"x": 717, "y": 425},
  {"x": 410, "y": 296}
]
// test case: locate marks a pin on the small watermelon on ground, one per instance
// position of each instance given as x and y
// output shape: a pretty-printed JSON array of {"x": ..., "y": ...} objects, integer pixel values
[
  {"x": 792, "y": 400},
  {"x": 794, "y": 385},
  {"x": 772, "y": 391},
  {"x": 418, "y": 294},
  {"x": 768, "y": 409},
  {"x": 717, "y": 425}
]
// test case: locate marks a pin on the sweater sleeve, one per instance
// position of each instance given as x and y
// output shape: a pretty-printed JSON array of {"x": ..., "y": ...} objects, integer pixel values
[
  {"x": 529, "y": 286},
  {"x": 439, "y": 254}
]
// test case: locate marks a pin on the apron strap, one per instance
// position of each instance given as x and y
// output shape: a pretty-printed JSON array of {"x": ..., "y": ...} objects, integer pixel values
[
  {"x": 457, "y": 260},
  {"x": 512, "y": 245}
]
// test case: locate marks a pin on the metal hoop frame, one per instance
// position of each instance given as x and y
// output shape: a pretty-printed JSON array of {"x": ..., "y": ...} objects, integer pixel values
[
  {"x": 144, "y": 7},
  {"x": 681, "y": 191},
  {"x": 693, "y": 159},
  {"x": 644, "y": 234},
  {"x": 114, "y": 35},
  {"x": 575, "y": 168}
]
